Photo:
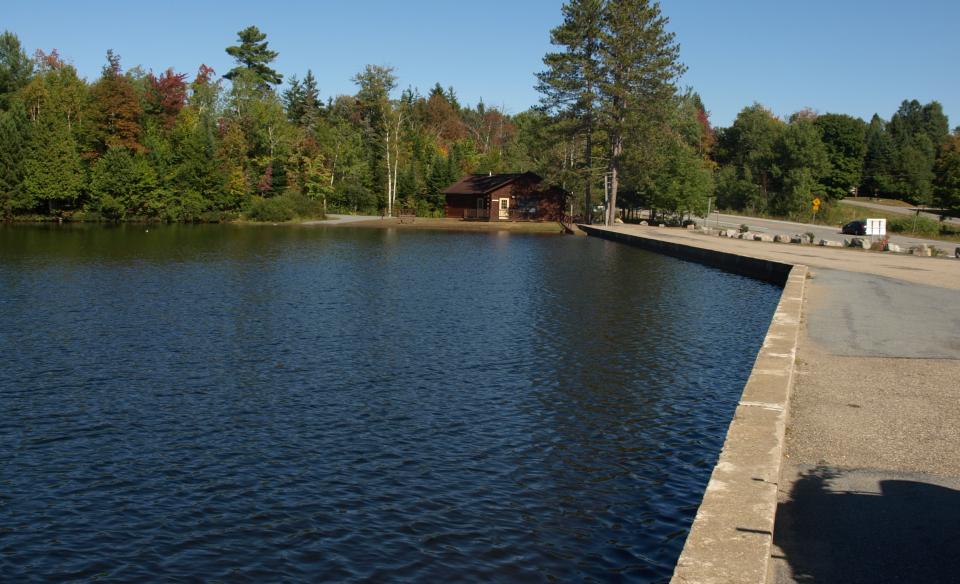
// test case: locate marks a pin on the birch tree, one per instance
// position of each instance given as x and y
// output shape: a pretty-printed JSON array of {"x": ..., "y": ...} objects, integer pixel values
[{"x": 382, "y": 121}]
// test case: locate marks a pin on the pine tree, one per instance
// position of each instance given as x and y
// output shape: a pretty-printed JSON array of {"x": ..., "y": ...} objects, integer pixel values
[
  {"x": 252, "y": 55},
  {"x": 879, "y": 160},
  {"x": 570, "y": 84},
  {"x": 312, "y": 107},
  {"x": 302, "y": 101},
  {"x": 280, "y": 179},
  {"x": 293, "y": 101},
  {"x": 437, "y": 181},
  {"x": 639, "y": 66}
]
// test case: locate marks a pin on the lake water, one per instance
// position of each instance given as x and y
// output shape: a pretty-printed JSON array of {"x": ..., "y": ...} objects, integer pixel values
[{"x": 224, "y": 403}]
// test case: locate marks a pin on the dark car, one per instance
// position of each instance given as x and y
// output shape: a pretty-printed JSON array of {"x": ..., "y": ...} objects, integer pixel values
[{"x": 858, "y": 227}]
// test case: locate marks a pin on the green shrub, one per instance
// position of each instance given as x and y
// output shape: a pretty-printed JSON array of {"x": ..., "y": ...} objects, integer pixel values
[
  {"x": 303, "y": 206},
  {"x": 216, "y": 216},
  {"x": 272, "y": 210},
  {"x": 284, "y": 208},
  {"x": 109, "y": 208}
]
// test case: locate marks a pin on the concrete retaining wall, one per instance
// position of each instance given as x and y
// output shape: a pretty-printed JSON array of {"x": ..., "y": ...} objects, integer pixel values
[
  {"x": 731, "y": 536},
  {"x": 767, "y": 270}
]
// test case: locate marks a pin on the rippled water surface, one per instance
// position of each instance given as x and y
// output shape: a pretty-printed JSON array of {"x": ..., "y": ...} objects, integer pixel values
[{"x": 318, "y": 404}]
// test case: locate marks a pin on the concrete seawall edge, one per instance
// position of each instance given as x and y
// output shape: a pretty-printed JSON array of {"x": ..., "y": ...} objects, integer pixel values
[{"x": 732, "y": 534}]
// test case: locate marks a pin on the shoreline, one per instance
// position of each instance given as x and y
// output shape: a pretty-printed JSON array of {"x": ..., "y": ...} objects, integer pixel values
[
  {"x": 340, "y": 220},
  {"x": 436, "y": 224}
]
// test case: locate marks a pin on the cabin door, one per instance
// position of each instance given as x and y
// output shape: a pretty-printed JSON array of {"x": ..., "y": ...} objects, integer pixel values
[{"x": 504, "y": 209}]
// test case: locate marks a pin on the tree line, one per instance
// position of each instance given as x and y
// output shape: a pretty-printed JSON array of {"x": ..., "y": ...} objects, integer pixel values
[
  {"x": 771, "y": 165},
  {"x": 613, "y": 127},
  {"x": 138, "y": 145},
  {"x": 613, "y": 84}
]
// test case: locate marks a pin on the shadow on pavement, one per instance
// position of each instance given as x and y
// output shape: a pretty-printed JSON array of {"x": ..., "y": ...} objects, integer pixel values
[{"x": 839, "y": 527}]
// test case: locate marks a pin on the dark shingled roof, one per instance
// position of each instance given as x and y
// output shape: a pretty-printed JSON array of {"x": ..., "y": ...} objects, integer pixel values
[{"x": 481, "y": 184}]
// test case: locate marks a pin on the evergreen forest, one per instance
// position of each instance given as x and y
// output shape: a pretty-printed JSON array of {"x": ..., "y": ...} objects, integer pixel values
[{"x": 137, "y": 144}]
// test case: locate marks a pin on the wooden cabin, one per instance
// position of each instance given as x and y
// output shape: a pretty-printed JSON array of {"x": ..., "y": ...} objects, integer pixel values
[{"x": 504, "y": 197}]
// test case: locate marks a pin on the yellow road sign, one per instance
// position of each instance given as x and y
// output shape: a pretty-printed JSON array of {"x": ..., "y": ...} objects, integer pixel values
[{"x": 816, "y": 203}]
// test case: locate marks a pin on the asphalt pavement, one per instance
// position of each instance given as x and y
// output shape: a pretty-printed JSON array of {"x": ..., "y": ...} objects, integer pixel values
[
  {"x": 876, "y": 316},
  {"x": 866, "y": 204},
  {"x": 776, "y": 227},
  {"x": 870, "y": 485}
]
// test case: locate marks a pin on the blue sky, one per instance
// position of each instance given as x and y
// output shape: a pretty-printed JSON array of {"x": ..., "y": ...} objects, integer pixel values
[{"x": 840, "y": 56}]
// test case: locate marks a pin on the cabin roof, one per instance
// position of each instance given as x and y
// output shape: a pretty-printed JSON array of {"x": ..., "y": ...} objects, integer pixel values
[{"x": 481, "y": 184}]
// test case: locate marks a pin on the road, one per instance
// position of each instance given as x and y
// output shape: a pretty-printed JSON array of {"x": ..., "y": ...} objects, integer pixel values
[
  {"x": 334, "y": 219},
  {"x": 775, "y": 227},
  {"x": 897, "y": 210}
]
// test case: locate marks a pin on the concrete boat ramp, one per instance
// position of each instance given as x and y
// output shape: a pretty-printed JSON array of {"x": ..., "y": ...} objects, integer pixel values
[{"x": 842, "y": 462}]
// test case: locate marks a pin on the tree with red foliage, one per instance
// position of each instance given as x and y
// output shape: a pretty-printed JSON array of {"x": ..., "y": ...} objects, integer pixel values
[
  {"x": 707, "y": 134},
  {"x": 266, "y": 181},
  {"x": 204, "y": 91},
  {"x": 204, "y": 74},
  {"x": 166, "y": 96},
  {"x": 442, "y": 119}
]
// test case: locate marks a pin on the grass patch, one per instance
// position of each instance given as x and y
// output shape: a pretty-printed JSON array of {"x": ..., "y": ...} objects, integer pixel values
[{"x": 882, "y": 201}]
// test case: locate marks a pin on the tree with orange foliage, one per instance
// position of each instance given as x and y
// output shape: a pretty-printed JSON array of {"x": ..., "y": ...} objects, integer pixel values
[{"x": 115, "y": 109}]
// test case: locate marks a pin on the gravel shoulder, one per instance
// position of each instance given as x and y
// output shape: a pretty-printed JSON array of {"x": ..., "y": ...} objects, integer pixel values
[{"x": 336, "y": 219}]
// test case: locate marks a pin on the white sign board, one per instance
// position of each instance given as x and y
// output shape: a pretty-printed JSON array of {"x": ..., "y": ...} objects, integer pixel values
[{"x": 876, "y": 226}]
